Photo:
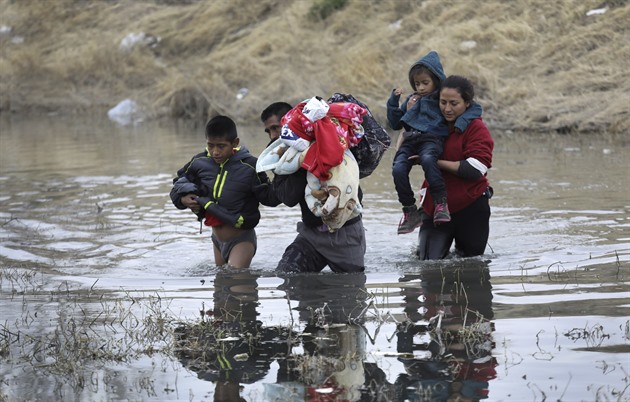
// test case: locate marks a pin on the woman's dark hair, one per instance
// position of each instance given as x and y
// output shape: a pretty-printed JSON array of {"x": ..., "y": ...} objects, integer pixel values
[
  {"x": 221, "y": 127},
  {"x": 461, "y": 85},
  {"x": 419, "y": 69}
]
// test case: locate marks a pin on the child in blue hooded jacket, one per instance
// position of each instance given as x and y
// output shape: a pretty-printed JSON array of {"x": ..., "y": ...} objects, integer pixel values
[{"x": 423, "y": 139}]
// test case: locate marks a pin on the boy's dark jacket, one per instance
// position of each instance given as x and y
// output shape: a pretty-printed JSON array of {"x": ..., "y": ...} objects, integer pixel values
[
  {"x": 231, "y": 191},
  {"x": 425, "y": 116}
]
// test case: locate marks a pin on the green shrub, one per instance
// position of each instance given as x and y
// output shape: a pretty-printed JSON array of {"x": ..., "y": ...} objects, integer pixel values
[{"x": 325, "y": 8}]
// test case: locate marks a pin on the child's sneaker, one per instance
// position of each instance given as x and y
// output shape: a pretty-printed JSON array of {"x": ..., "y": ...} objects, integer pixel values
[
  {"x": 412, "y": 219},
  {"x": 441, "y": 214}
]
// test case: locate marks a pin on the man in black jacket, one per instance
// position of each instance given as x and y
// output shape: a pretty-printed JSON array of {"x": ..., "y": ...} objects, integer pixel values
[{"x": 315, "y": 247}]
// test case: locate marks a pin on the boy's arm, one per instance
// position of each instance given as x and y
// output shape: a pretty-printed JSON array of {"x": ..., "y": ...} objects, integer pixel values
[
  {"x": 470, "y": 114},
  {"x": 182, "y": 187}
]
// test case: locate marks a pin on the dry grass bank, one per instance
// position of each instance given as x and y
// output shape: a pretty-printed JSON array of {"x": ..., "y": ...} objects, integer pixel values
[{"x": 537, "y": 65}]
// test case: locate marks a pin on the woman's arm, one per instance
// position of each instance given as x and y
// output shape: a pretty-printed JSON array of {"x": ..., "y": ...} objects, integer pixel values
[
  {"x": 478, "y": 146},
  {"x": 449, "y": 166}
]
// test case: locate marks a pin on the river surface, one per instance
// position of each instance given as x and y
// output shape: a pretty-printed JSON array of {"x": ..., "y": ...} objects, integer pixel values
[{"x": 108, "y": 292}]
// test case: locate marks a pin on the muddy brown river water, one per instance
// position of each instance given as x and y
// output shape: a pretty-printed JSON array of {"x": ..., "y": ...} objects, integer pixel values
[{"x": 103, "y": 282}]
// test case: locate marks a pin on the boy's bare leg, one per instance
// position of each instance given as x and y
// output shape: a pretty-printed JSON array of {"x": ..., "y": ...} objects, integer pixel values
[
  {"x": 218, "y": 258},
  {"x": 241, "y": 255}
]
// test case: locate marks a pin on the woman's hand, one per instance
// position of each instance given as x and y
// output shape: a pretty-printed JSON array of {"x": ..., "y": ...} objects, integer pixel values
[{"x": 448, "y": 166}]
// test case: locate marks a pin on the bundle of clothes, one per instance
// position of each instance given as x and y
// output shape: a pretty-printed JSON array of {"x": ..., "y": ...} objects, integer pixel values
[{"x": 320, "y": 136}]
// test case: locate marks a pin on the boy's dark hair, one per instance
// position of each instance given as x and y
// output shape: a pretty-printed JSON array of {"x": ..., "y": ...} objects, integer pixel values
[
  {"x": 221, "y": 127},
  {"x": 421, "y": 68},
  {"x": 461, "y": 85},
  {"x": 275, "y": 109}
]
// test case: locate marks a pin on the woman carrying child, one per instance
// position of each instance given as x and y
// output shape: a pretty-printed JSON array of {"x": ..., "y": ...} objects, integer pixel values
[
  {"x": 422, "y": 141},
  {"x": 465, "y": 161}
]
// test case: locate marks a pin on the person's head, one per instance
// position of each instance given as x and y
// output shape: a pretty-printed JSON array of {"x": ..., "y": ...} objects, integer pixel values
[
  {"x": 456, "y": 96},
  {"x": 423, "y": 80},
  {"x": 426, "y": 75},
  {"x": 221, "y": 138},
  {"x": 271, "y": 116}
]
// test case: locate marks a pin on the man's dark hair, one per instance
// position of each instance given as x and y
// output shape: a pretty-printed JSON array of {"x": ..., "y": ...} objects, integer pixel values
[
  {"x": 275, "y": 109},
  {"x": 221, "y": 127}
]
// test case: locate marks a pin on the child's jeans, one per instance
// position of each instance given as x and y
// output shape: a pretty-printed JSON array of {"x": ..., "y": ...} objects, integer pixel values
[{"x": 428, "y": 148}]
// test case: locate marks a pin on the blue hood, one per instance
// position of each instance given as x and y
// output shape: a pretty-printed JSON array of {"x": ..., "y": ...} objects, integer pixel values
[{"x": 432, "y": 61}]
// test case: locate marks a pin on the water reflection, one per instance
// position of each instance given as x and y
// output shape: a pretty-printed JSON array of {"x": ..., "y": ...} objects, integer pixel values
[
  {"x": 445, "y": 343},
  {"x": 331, "y": 309},
  {"x": 450, "y": 358},
  {"x": 230, "y": 346}
]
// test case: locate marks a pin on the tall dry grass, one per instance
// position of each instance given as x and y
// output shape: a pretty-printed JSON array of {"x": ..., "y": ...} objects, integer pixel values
[{"x": 537, "y": 65}]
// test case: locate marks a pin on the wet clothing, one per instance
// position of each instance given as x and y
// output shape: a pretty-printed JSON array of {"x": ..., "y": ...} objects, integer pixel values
[
  {"x": 469, "y": 228},
  {"x": 467, "y": 198},
  {"x": 225, "y": 247},
  {"x": 315, "y": 247},
  {"x": 230, "y": 191}
]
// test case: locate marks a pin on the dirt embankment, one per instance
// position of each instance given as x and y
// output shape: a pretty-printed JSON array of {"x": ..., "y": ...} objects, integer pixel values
[{"x": 537, "y": 65}]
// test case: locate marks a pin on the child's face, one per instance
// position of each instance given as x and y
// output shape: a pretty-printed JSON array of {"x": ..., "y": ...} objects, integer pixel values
[
  {"x": 423, "y": 83},
  {"x": 220, "y": 149}
]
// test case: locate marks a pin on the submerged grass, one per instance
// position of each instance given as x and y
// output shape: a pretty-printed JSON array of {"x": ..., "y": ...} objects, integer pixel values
[
  {"x": 69, "y": 333},
  {"x": 536, "y": 65}
]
